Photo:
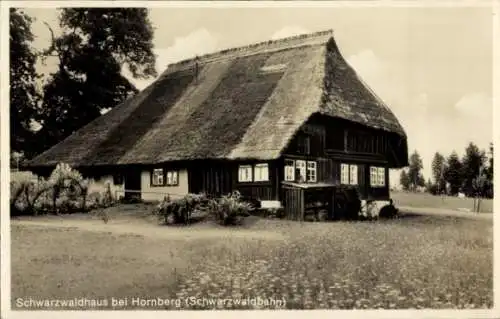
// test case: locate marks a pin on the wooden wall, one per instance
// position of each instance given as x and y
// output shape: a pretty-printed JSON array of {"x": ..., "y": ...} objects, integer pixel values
[
  {"x": 330, "y": 146},
  {"x": 293, "y": 202},
  {"x": 221, "y": 178}
]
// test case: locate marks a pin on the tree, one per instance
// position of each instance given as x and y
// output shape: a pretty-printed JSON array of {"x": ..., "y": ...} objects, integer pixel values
[
  {"x": 438, "y": 168},
  {"x": 94, "y": 46},
  {"x": 490, "y": 166},
  {"x": 430, "y": 187},
  {"x": 472, "y": 164},
  {"x": 489, "y": 173},
  {"x": 404, "y": 180},
  {"x": 24, "y": 96},
  {"x": 453, "y": 173},
  {"x": 414, "y": 171}
]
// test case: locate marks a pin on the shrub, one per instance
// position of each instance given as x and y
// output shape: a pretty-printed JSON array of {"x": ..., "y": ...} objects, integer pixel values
[
  {"x": 26, "y": 194},
  {"x": 179, "y": 211},
  {"x": 229, "y": 209},
  {"x": 388, "y": 211},
  {"x": 369, "y": 211},
  {"x": 17, "y": 196},
  {"x": 107, "y": 200},
  {"x": 374, "y": 210},
  {"x": 65, "y": 184},
  {"x": 65, "y": 191},
  {"x": 84, "y": 188}
]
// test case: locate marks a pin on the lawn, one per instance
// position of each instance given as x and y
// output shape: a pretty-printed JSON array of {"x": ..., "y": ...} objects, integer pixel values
[
  {"x": 411, "y": 262},
  {"x": 445, "y": 202}
]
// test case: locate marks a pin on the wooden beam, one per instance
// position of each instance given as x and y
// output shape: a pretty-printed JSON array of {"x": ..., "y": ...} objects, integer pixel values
[
  {"x": 345, "y": 140},
  {"x": 302, "y": 205}
]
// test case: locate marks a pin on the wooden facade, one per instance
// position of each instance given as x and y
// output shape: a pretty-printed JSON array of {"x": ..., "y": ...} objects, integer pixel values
[
  {"x": 333, "y": 142},
  {"x": 319, "y": 152},
  {"x": 221, "y": 178}
]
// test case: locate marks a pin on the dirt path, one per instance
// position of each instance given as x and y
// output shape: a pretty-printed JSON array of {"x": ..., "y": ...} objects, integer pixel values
[
  {"x": 444, "y": 212},
  {"x": 150, "y": 230},
  {"x": 135, "y": 226}
]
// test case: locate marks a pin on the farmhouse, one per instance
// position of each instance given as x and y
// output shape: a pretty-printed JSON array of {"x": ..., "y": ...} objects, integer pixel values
[{"x": 268, "y": 120}]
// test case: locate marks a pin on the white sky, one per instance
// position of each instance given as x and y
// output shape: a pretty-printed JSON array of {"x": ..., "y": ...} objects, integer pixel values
[{"x": 432, "y": 66}]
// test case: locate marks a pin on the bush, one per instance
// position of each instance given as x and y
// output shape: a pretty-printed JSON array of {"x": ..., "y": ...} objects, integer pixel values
[
  {"x": 26, "y": 195},
  {"x": 65, "y": 191},
  {"x": 229, "y": 209},
  {"x": 369, "y": 211},
  {"x": 179, "y": 211},
  {"x": 388, "y": 211}
]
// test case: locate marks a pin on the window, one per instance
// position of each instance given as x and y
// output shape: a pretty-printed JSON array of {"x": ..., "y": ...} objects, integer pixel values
[
  {"x": 157, "y": 178},
  {"x": 381, "y": 176},
  {"x": 348, "y": 174},
  {"x": 172, "y": 178},
  {"x": 311, "y": 172},
  {"x": 289, "y": 170},
  {"x": 377, "y": 176},
  {"x": 245, "y": 173},
  {"x": 344, "y": 174},
  {"x": 300, "y": 170},
  {"x": 261, "y": 173},
  {"x": 353, "y": 174}
]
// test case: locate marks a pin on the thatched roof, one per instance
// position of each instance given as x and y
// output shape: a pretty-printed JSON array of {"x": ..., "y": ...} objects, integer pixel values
[{"x": 240, "y": 103}]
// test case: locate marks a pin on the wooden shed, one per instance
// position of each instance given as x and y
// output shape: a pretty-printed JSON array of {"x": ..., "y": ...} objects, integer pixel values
[
  {"x": 301, "y": 200},
  {"x": 316, "y": 201}
]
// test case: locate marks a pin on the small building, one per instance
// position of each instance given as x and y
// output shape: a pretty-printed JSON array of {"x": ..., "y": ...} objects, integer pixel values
[{"x": 249, "y": 119}]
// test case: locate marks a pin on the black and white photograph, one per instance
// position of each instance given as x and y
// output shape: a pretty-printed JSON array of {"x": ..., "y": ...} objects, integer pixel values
[{"x": 229, "y": 156}]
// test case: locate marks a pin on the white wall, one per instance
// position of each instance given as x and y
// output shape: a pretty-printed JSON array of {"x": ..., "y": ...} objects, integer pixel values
[
  {"x": 157, "y": 193},
  {"x": 100, "y": 186}
]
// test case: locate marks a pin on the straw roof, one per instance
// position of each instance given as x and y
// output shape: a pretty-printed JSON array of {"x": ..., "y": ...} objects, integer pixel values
[{"x": 243, "y": 103}]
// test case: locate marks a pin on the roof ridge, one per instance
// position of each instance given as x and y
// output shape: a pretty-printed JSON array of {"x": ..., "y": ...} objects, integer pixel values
[{"x": 283, "y": 43}]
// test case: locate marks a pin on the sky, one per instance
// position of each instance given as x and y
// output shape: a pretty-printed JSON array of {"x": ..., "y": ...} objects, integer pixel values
[{"x": 432, "y": 66}]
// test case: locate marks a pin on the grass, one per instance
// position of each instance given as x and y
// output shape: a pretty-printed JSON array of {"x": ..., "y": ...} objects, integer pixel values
[
  {"x": 443, "y": 202},
  {"x": 412, "y": 262}
]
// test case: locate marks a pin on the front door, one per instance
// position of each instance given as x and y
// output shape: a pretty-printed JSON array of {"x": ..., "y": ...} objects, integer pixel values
[{"x": 132, "y": 183}]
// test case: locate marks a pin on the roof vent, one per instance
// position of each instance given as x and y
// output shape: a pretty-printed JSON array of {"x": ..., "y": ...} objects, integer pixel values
[{"x": 274, "y": 68}]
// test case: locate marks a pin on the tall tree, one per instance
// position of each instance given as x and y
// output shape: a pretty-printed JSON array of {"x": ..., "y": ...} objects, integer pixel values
[
  {"x": 414, "y": 171},
  {"x": 96, "y": 43},
  {"x": 489, "y": 169},
  {"x": 404, "y": 180},
  {"x": 24, "y": 96},
  {"x": 438, "y": 168},
  {"x": 472, "y": 163},
  {"x": 489, "y": 173},
  {"x": 453, "y": 173},
  {"x": 430, "y": 187}
]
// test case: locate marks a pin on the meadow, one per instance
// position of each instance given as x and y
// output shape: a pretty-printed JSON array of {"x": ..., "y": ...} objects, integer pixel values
[
  {"x": 410, "y": 262},
  {"x": 427, "y": 200}
]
